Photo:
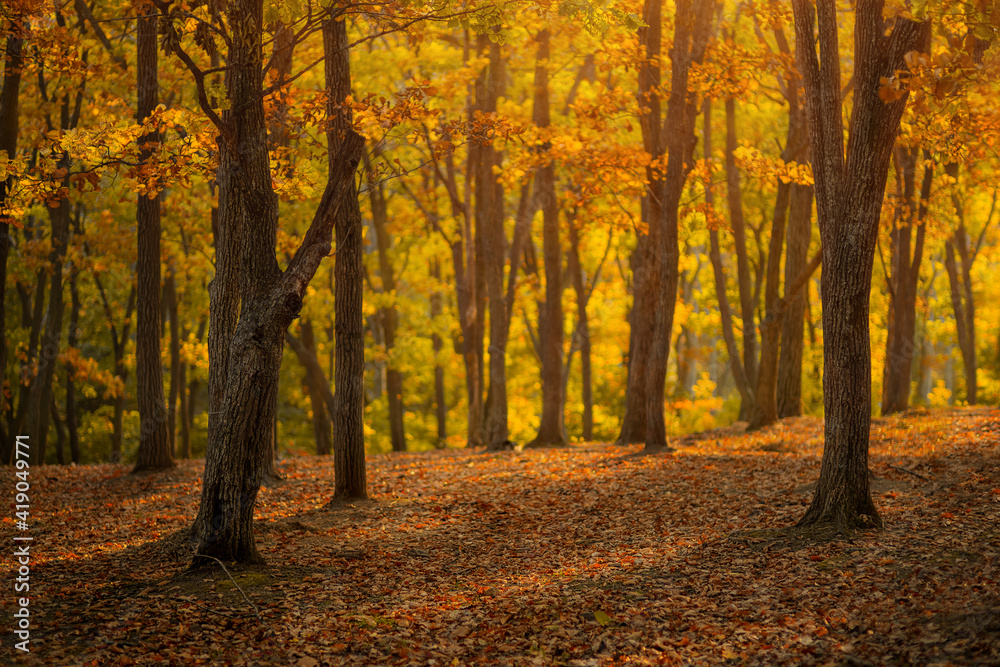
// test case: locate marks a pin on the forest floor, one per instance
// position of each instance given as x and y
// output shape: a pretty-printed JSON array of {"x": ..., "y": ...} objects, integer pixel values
[{"x": 586, "y": 555}]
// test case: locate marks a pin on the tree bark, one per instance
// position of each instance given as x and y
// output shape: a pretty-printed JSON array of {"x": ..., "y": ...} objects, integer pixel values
[
  {"x": 849, "y": 197},
  {"x": 71, "y": 340},
  {"x": 317, "y": 386},
  {"x": 719, "y": 272},
  {"x": 582, "y": 334},
  {"x": 244, "y": 372},
  {"x": 765, "y": 403},
  {"x": 154, "y": 438},
  {"x": 440, "y": 408},
  {"x": 904, "y": 279},
  {"x": 692, "y": 25},
  {"x": 176, "y": 367},
  {"x": 960, "y": 283},
  {"x": 388, "y": 316},
  {"x": 738, "y": 224},
  {"x": 550, "y": 329},
  {"x": 9, "y": 115},
  {"x": 789, "y": 390},
  {"x": 646, "y": 257},
  {"x": 349, "y": 332}
]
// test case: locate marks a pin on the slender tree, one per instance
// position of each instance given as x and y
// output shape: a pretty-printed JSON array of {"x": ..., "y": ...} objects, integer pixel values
[
  {"x": 550, "y": 330},
  {"x": 154, "y": 439}
]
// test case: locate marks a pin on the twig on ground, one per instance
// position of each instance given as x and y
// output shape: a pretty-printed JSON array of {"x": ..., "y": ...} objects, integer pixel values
[
  {"x": 915, "y": 474},
  {"x": 224, "y": 569}
]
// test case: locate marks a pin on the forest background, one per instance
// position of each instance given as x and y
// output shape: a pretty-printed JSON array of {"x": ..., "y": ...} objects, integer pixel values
[{"x": 505, "y": 183}]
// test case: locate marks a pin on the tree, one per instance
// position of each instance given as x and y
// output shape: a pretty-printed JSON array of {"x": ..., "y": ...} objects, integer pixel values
[
  {"x": 344, "y": 146},
  {"x": 550, "y": 330},
  {"x": 849, "y": 192},
  {"x": 252, "y": 300},
  {"x": 692, "y": 29},
  {"x": 9, "y": 111},
  {"x": 154, "y": 440}
]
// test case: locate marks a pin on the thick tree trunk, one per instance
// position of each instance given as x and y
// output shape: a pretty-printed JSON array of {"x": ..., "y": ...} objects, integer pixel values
[
  {"x": 646, "y": 257},
  {"x": 241, "y": 435},
  {"x": 550, "y": 329},
  {"x": 849, "y": 197},
  {"x": 9, "y": 96},
  {"x": 692, "y": 25},
  {"x": 903, "y": 281},
  {"x": 491, "y": 241},
  {"x": 154, "y": 437}
]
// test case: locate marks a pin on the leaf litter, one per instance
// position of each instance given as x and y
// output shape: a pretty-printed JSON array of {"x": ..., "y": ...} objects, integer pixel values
[{"x": 584, "y": 555}]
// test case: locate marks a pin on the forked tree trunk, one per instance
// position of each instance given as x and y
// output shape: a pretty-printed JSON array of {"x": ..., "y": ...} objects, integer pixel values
[
  {"x": 154, "y": 438},
  {"x": 692, "y": 26},
  {"x": 244, "y": 370},
  {"x": 960, "y": 283},
  {"x": 849, "y": 199}
]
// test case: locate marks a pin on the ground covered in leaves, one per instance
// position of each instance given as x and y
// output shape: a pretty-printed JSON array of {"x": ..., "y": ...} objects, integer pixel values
[{"x": 588, "y": 555}]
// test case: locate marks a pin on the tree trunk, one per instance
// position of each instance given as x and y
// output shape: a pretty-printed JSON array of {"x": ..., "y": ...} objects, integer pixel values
[
  {"x": 849, "y": 197},
  {"x": 154, "y": 438},
  {"x": 765, "y": 403},
  {"x": 646, "y": 257},
  {"x": 747, "y": 300},
  {"x": 60, "y": 433},
  {"x": 37, "y": 418},
  {"x": 317, "y": 386},
  {"x": 441, "y": 409},
  {"x": 349, "y": 328},
  {"x": 582, "y": 334},
  {"x": 963, "y": 305},
  {"x": 789, "y": 390},
  {"x": 71, "y": 340},
  {"x": 9, "y": 96},
  {"x": 388, "y": 316},
  {"x": 244, "y": 372},
  {"x": 903, "y": 281},
  {"x": 692, "y": 25},
  {"x": 715, "y": 254},
  {"x": 550, "y": 330},
  {"x": 176, "y": 371}
]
